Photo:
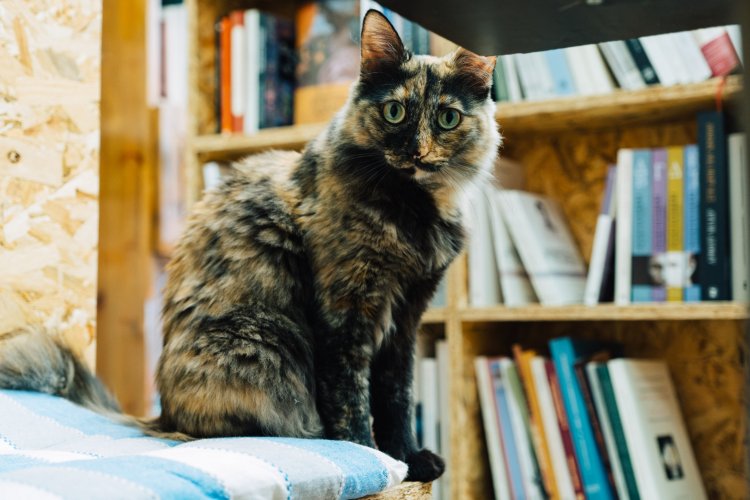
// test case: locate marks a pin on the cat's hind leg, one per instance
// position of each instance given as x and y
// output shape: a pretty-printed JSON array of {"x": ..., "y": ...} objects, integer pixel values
[{"x": 248, "y": 372}]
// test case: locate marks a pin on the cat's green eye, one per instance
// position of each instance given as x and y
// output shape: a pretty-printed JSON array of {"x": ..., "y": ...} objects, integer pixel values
[
  {"x": 449, "y": 118},
  {"x": 394, "y": 112}
]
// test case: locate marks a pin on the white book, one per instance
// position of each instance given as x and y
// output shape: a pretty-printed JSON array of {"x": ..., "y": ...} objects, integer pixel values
[
  {"x": 511, "y": 79},
  {"x": 514, "y": 280},
  {"x": 484, "y": 287},
  {"x": 735, "y": 34},
  {"x": 624, "y": 236},
  {"x": 606, "y": 426},
  {"x": 579, "y": 70},
  {"x": 252, "y": 71},
  {"x": 552, "y": 433},
  {"x": 444, "y": 408},
  {"x": 739, "y": 214},
  {"x": 519, "y": 421},
  {"x": 546, "y": 247},
  {"x": 622, "y": 64},
  {"x": 655, "y": 432},
  {"x": 238, "y": 75},
  {"x": 600, "y": 249},
  {"x": 429, "y": 399},
  {"x": 661, "y": 53},
  {"x": 535, "y": 76},
  {"x": 600, "y": 79},
  {"x": 691, "y": 56},
  {"x": 175, "y": 58},
  {"x": 493, "y": 435}
]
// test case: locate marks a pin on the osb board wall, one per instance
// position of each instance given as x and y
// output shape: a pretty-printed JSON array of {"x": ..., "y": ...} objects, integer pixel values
[{"x": 49, "y": 140}]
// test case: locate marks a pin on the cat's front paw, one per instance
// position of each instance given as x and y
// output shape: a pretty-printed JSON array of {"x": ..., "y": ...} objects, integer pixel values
[{"x": 424, "y": 466}]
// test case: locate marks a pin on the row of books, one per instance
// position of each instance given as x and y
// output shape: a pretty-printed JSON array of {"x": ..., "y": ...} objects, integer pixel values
[
  {"x": 673, "y": 226},
  {"x": 669, "y": 59},
  {"x": 273, "y": 71},
  {"x": 584, "y": 424}
]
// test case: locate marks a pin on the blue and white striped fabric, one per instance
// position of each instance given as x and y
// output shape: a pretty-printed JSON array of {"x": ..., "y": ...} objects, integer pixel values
[{"x": 51, "y": 448}]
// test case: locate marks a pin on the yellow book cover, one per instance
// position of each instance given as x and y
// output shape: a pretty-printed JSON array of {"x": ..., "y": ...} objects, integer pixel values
[
  {"x": 675, "y": 266},
  {"x": 523, "y": 359}
]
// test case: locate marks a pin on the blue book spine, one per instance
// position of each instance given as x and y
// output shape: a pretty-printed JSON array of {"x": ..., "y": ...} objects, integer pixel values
[
  {"x": 565, "y": 352},
  {"x": 509, "y": 442},
  {"x": 691, "y": 225},
  {"x": 642, "y": 250},
  {"x": 560, "y": 71}
]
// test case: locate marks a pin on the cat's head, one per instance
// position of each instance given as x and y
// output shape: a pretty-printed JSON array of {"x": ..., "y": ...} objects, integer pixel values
[{"x": 432, "y": 118}]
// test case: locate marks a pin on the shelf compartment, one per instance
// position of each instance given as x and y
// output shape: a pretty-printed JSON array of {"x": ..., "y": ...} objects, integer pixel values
[{"x": 609, "y": 312}]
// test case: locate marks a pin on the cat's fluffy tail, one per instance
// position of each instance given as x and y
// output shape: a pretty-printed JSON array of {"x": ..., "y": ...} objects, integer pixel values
[{"x": 32, "y": 360}]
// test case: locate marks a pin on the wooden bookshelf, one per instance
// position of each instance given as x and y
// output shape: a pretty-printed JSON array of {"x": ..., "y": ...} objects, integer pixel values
[{"x": 565, "y": 146}]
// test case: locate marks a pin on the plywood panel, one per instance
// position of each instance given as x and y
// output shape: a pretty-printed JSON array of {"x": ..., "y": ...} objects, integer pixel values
[{"x": 49, "y": 185}]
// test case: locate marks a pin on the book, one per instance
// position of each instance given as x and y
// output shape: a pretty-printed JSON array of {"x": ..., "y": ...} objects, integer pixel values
[
  {"x": 602, "y": 250},
  {"x": 276, "y": 86},
  {"x": 535, "y": 76},
  {"x": 579, "y": 70},
  {"x": 484, "y": 286},
  {"x": 565, "y": 433},
  {"x": 253, "y": 67},
  {"x": 597, "y": 70},
  {"x": 691, "y": 56},
  {"x": 659, "y": 225},
  {"x": 715, "y": 259},
  {"x": 660, "y": 52},
  {"x": 523, "y": 359},
  {"x": 515, "y": 285},
  {"x": 740, "y": 212},
  {"x": 558, "y": 68},
  {"x": 642, "y": 266},
  {"x": 623, "y": 230},
  {"x": 613, "y": 423},
  {"x": 691, "y": 224},
  {"x": 499, "y": 84},
  {"x": 237, "y": 71},
  {"x": 735, "y": 34},
  {"x": 565, "y": 353},
  {"x": 511, "y": 78},
  {"x": 328, "y": 58},
  {"x": 718, "y": 50},
  {"x": 225, "y": 57},
  {"x": 673, "y": 270},
  {"x": 642, "y": 61},
  {"x": 546, "y": 247},
  {"x": 623, "y": 66},
  {"x": 489, "y": 385},
  {"x": 552, "y": 434},
  {"x": 657, "y": 439},
  {"x": 523, "y": 431},
  {"x": 429, "y": 402},
  {"x": 444, "y": 409}
]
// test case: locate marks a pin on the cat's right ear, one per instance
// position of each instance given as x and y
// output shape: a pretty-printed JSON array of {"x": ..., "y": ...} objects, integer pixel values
[{"x": 382, "y": 48}]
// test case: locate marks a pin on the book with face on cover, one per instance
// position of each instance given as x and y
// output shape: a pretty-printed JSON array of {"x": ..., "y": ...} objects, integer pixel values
[{"x": 654, "y": 429}]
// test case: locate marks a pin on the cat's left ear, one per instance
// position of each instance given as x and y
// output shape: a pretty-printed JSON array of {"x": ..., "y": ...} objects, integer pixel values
[
  {"x": 475, "y": 67},
  {"x": 382, "y": 48}
]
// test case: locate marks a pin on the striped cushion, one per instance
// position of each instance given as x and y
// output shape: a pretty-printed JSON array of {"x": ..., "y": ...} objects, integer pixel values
[{"x": 52, "y": 448}]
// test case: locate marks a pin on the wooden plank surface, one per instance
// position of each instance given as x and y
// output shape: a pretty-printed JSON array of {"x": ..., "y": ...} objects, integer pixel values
[
  {"x": 404, "y": 491},
  {"x": 126, "y": 173}
]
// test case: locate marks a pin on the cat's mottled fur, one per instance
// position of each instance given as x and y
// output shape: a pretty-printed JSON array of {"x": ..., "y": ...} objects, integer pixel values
[{"x": 294, "y": 296}]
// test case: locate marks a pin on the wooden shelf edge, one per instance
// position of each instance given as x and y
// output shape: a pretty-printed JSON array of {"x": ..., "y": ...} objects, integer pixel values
[
  {"x": 434, "y": 315},
  {"x": 730, "y": 311},
  {"x": 616, "y": 108}
]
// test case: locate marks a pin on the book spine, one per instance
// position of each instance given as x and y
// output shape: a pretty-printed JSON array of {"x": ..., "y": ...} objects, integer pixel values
[
  {"x": 642, "y": 62},
  {"x": 598, "y": 70},
  {"x": 642, "y": 231},
  {"x": 562, "y": 420},
  {"x": 499, "y": 84},
  {"x": 237, "y": 70},
  {"x": 284, "y": 111},
  {"x": 601, "y": 242},
  {"x": 226, "y": 71},
  {"x": 593, "y": 474},
  {"x": 618, "y": 434},
  {"x": 690, "y": 54},
  {"x": 509, "y": 441},
  {"x": 624, "y": 235},
  {"x": 675, "y": 268},
  {"x": 659, "y": 52},
  {"x": 539, "y": 437},
  {"x": 561, "y": 77},
  {"x": 579, "y": 70},
  {"x": 718, "y": 50},
  {"x": 714, "y": 261},
  {"x": 691, "y": 229},
  {"x": 622, "y": 65},
  {"x": 659, "y": 236},
  {"x": 738, "y": 198},
  {"x": 511, "y": 77}
]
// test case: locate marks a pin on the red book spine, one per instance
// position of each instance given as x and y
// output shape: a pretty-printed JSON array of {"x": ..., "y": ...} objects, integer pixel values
[
  {"x": 226, "y": 72},
  {"x": 562, "y": 421},
  {"x": 720, "y": 55}
]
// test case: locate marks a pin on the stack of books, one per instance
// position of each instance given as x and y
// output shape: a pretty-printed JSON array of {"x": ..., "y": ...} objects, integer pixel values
[
  {"x": 254, "y": 71},
  {"x": 584, "y": 424},
  {"x": 673, "y": 226},
  {"x": 670, "y": 59}
]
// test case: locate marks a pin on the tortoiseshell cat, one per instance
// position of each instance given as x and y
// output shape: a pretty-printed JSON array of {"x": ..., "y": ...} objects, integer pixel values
[{"x": 294, "y": 296}]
